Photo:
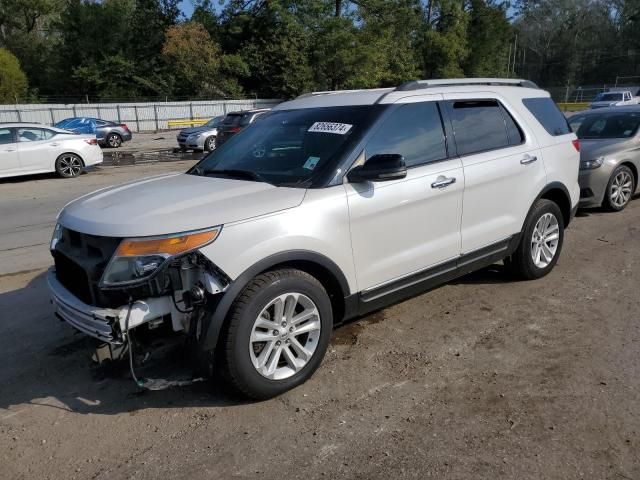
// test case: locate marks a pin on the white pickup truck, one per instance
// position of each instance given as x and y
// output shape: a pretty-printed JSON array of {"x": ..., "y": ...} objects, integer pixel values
[{"x": 614, "y": 99}]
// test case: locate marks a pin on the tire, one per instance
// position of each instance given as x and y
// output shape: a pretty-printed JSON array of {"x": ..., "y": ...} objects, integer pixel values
[
  {"x": 544, "y": 226},
  {"x": 114, "y": 140},
  {"x": 69, "y": 165},
  {"x": 210, "y": 143},
  {"x": 620, "y": 189},
  {"x": 263, "y": 369}
]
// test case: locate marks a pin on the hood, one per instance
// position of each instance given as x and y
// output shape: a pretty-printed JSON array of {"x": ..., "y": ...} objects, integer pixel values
[
  {"x": 594, "y": 148},
  {"x": 174, "y": 203},
  {"x": 191, "y": 131},
  {"x": 604, "y": 104}
]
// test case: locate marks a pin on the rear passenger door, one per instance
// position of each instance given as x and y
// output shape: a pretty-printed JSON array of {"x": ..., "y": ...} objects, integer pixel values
[
  {"x": 400, "y": 227},
  {"x": 502, "y": 164},
  {"x": 36, "y": 149}
]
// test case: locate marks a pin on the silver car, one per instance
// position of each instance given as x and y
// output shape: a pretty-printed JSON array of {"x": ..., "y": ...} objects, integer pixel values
[
  {"x": 609, "y": 155},
  {"x": 200, "y": 138}
]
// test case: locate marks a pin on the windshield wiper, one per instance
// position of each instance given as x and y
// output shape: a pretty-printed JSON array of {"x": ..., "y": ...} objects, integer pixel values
[{"x": 244, "y": 174}]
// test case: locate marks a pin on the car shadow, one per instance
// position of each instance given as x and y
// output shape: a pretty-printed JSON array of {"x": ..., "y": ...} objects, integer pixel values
[
  {"x": 48, "y": 365},
  {"x": 28, "y": 178}
]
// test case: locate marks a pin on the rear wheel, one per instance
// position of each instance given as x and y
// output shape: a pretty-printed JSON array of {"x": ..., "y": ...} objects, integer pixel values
[
  {"x": 69, "y": 165},
  {"x": 210, "y": 143},
  {"x": 277, "y": 333},
  {"x": 541, "y": 242},
  {"x": 619, "y": 189},
  {"x": 114, "y": 140}
]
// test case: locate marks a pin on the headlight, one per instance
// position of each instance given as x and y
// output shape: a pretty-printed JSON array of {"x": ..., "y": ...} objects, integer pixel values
[
  {"x": 591, "y": 164},
  {"x": 137, "y": 259},
  {"x": 56, "y": 237}
]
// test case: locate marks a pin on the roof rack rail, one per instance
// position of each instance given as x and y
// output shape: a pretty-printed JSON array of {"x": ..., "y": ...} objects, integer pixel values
[{"x": 458, "y": 82}]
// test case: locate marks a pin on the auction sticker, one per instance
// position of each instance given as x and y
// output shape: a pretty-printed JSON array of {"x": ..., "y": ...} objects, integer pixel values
[{"x": 330, "y": 127}]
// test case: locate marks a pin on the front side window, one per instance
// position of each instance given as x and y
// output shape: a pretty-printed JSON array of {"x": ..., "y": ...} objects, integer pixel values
[
  {"x": 6, "y": 136},
  {"x": 478, "y": 125},
  {"x": 606, "y": 125},
  {"x": 288, "y": 147},
  {"x": 31, "y": 135},
  {"x": 414, "y": 131}
]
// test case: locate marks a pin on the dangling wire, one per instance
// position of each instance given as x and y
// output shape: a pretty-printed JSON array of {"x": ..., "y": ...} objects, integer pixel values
[{"x": 139, "y": 383}]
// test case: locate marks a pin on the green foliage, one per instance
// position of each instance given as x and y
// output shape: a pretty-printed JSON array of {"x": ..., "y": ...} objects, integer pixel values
[
  {"x": 116, "y": 49},
  {"x": 13, "y": 81}
]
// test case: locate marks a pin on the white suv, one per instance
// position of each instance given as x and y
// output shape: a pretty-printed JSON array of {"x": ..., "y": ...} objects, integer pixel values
[{"x": 333, "y": 205}]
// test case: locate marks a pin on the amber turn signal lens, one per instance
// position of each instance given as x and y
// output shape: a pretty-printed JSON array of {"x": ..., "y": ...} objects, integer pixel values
[{"x": 168, "y": 246}]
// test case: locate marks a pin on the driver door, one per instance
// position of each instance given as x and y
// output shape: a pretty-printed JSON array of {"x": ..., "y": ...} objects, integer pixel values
[{"x": 404, "y": 227}]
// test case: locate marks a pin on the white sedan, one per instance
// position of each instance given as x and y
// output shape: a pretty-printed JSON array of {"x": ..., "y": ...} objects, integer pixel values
[{"x": 29, "y": 148}]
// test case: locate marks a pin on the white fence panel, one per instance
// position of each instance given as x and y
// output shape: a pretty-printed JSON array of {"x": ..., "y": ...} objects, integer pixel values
[{"x": 139, "y": 116}]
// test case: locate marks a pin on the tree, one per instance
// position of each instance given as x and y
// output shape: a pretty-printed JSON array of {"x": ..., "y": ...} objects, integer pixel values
[
  {"x": 13, "y": 81},
  {"x": 196, "y": 58},
  {"x": 445, "y": 47},
  {"x": 488, "y": 36}
]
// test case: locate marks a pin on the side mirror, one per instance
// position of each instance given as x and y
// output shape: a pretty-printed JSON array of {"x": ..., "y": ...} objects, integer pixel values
[{"x": 379, "y": 168}]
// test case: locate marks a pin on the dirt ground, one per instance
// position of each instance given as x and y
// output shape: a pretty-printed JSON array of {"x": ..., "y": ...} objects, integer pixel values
[{"x": 481, "y": 378}]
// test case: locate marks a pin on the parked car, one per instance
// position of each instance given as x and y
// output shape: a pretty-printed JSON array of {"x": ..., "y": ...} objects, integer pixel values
[
  {"x": 200, "y": 138},
  {"x": 330, "y": 206},
  {"x": 609, "y": 155},
  {"x": 236, "y": 121},
  {"x": 109, "y": 134},
  {"x": 29, "y": 148},
  {"x": 613, "y": 99}
]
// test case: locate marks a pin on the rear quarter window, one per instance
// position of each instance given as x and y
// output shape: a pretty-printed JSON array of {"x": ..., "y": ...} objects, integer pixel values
[{"x": 548, "y": 114}]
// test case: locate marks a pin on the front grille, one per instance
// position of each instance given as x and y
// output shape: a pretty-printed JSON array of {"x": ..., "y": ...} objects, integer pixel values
[
  {"x": 73, "y": 277},
  {"x": 80, "y": 261}
]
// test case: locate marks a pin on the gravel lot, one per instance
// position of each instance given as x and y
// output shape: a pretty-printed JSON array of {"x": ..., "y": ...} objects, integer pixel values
[{"x": 481, "y": 378}]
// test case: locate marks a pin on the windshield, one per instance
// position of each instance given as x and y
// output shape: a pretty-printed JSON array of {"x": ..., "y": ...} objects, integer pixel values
[
  {"x": 287, "y": 147},
  {"x": 609, "y": 97},
  {"x": 214, "y": 122},
  {"x": 608, "y": 125}
]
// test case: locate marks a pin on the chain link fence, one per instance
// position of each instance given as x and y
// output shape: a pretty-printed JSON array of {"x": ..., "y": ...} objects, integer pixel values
[{"x": 139, "y": 116}]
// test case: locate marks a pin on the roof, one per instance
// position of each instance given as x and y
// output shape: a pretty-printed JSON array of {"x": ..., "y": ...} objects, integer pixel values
[
  {"x": 416, "y": 87},
  {"x": 23, "y": 124},
  {"x": 624, "y": 108}
]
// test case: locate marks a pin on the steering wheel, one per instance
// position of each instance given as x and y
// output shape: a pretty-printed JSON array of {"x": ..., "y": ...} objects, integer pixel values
[{"x": 259, "y": 151}]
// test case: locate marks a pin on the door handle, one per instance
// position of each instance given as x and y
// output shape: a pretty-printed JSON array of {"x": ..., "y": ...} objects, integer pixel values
[
  {"x": 54, "y": 144},
  {"x": 443, "y": 182},
  {"x": 10, "y": 150},
  {"x": 528, "y": 159}
]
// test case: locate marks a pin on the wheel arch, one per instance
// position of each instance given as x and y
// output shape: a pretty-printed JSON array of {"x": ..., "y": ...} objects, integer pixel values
[
  {"x": 634, "y": 169},
  {"x": 70, "y": 152},
  {"x": 315, "y": 264},
  {"x": 557, "y": 193}
]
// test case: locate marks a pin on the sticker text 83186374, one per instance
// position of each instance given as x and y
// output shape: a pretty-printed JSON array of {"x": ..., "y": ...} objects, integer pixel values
[{"x": 330, "y": 127}]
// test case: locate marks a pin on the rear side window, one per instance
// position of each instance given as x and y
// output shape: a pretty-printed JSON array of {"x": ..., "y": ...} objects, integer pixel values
[
  {"x": 232, "y": 120},
  {"x": 547, "y": 113},
  {"x": 414, "y": 131},
  {"x": 481, "y": 125}
]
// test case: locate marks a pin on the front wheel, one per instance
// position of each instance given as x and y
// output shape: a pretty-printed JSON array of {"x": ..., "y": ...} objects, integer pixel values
[
  {"x": 619, "y": 189},
  {"x": 210, "y": 143},
  {"x": 69, "y": 165},
  {"x": 277, "y": 333},
  {"x": 541, "y": 242}
]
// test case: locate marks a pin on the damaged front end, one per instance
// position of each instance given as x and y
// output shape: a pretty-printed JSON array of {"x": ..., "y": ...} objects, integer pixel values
[{"x": 106, "y": 287}]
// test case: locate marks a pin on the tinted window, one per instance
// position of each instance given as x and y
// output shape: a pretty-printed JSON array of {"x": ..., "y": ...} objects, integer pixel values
[
  {"x": 414, "y": 131},
  {"x": 5, "y": 136},
  {"x": 232, "y": 120},
  {"x": 478, "y": 126},
  {"x": 516, "y": 137},
  {"x": 607, "y": 125},
  {"x": 546, "y": 112},
  {"x": 48, "y": 134},
  {"x": 31, "y": 135}
]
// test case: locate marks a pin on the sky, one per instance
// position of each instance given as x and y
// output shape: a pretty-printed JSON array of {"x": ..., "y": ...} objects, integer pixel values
[{"x": 187, "y": 7}]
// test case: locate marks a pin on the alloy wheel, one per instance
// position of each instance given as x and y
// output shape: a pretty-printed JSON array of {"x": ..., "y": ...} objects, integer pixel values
[
  {"x": 70, "y": 166},
  {"x": 544, "y": 240},
  {"x": 621, "y": 189},
  {"x": 285, "y": 336},
  {"x": 114, "y": 141}
]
